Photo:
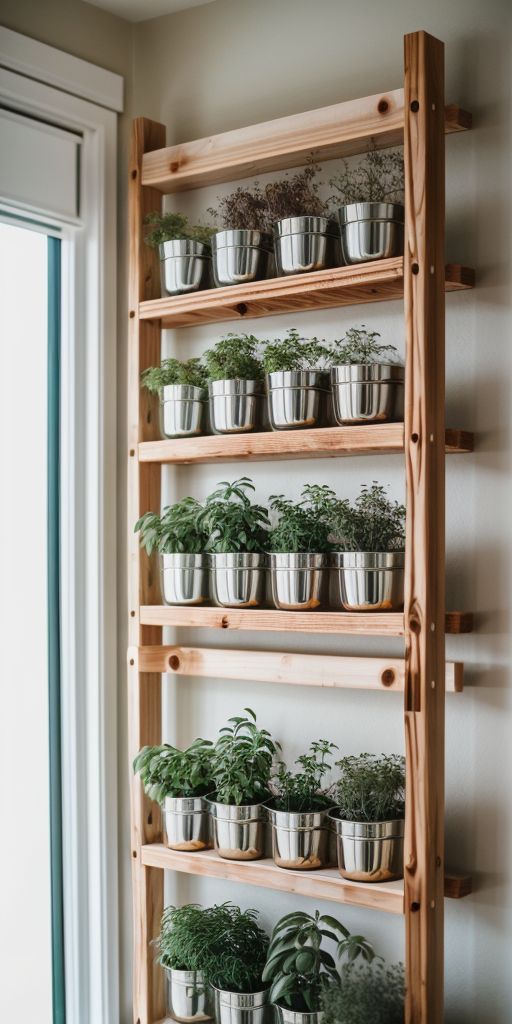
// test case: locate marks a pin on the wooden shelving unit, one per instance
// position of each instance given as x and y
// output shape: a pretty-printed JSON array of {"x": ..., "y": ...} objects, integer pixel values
[{"x": 417, "y": 117}]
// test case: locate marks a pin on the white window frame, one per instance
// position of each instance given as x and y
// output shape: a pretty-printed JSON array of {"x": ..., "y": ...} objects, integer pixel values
[{"x": 29, "y": 72}]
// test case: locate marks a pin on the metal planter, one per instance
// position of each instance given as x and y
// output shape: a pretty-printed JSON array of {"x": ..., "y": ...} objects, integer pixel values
[
  {"x": 287, "y": 1016},
  {"x": 236, "y": 406},
  {"x": 241, "y": 1007},
  {"x": 184, "y": 266},
  {"x": 296, "y": 398},
  {"x": 184, "y": 579},
  {"x": 188, "y": 998},
  {"x": 239, "y": 257},
  {"x": 371, "y": 231},
  {"x": 186, "y": 822},
  {"x": 181, "y": 410},
  {"x": 237, "y": 580},
  {"x": 369, "y": 851},
  {"x": 300, "y": 840},
  {"x": 238, "y": 832},
  {"x": 303, "y": 244},
  {"x": 297, "y": 581},
  {"x": 367, "y": 581},
  {"x": 368, "y": 393}
]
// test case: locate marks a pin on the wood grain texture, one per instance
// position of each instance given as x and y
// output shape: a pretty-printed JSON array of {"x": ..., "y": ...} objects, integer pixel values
[
  {"x": 319, "y": 443},
  {"x": 379, "y": 281},
  {"x": 341, "y": 129},
  {"x": 144, "y": 726},
  {"x": 330, "y": 671},
  {"x": 425, "y": 556}
]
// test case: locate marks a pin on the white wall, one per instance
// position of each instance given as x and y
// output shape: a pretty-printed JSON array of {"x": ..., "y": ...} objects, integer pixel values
[{"x": 234, "y": 63}]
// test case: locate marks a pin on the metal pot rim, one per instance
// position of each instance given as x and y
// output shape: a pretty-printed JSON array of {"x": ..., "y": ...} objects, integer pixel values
[
  {"x": 296, "y": 821},
  {"x": 183, "y": 804},
  {"x": 312, "y": 378},
  {"x": 243, "y": 999},
  {"x": 367, "y": 559},
  {"x": 183, "y": 247},
  {"x": 229, "y": 560},
  {"x": 181, "y": 560},
  {"x": 253, "y": 238},
  {"x": 308, "y": 225},
  {"x": 348, "y": 213},
  {"x": 182, "y": 393},
  {"x": 235, "y": 812},
  {"x": 390, "y": 829},
  {"x": 366, "y": 373},
  {"x": 303, "y": 560},
  {"x": 185, "y": 976},
  {"x": 234, "y": 386}
]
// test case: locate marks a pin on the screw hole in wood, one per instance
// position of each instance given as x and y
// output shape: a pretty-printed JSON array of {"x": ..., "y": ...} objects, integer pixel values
[
  {"x": 134, "y": 853},
  {"x": 241, "y": 308},
  {"x": 132, "y": 614},
  {"x": 415, "y": 438},
  {"x": 132, "y": 314},
  {"x": 174, "y": 662},
  {"x": 414, "y": 908},
  {"x": 415, "y": 268},
  {"x": 132, "y": 661},
  {"x": 415, "y": 106},
  {"x": 388, "y": 677},
  {"x": 134, "y": 174},
  {"x": 382, "y": 106}
]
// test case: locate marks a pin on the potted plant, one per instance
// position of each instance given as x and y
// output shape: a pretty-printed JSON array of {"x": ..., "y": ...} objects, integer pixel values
[
  {"x": 180, "y": 541},
  {"x": 367, "y": 565},
  {"x": 233, "y": 960},
  {"x": 298, "y": 544},
  {"x": 235, "y": 384},
  {"x": 367, "y": 380},
  {"x": 305, "y": 238},
  {"x": 298, "y": 809},
  {"x": 299, "y": 969},
  {"x": 184, "y": 250},
  {"x": 296, "y": 383},
  {"x": 178, "y": 780},
  {"x": 238, "y": 539},
  {"x": 371, "y": 214},
  {"x": 181, "y": 388},
  {"x": 370, "y": 992},
  {"x": 241, "y": 768},
  {"x": 369, "y": 820},
  {"x": 183, "y": 934},
  {"x": 242, "y": 249}
]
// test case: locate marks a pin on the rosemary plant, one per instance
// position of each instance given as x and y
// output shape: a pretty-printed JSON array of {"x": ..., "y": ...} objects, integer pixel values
[
  {"x": 235, "y": 951},
  {"x": 371, "y": 523},
  {"x": 371, "y": 787}
]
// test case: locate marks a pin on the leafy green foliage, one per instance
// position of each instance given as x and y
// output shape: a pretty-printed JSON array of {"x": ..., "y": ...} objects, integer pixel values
[
  {"x": 297, "y": 966},
  {"x": 231, "y": 521},
  {"x": 177, "y": 531},
  {"x": 236, "y": 949},
  {"x": 242, "y": 761},
  {"x": 244, "y": 209},
  {"x": 183, "y": 934},
  {"x": 301, "y": 791},
  {"x": 234, "y": 356},
  {"x": 377, "y": 178},
  {"x": 359, "y": 347},
  {"x": 174, "y": 371},
  {"x": 371, "y": 523},
  {"x": 167, "y": 771},
  {"x": 371, "y": 787},
  {"x": 302, "y": 526},
  {"x": 297, "y": 195},
  {"x": 293, "y": 352},
  {"x": 365, "y": 994},
  {"x": 167, "y": 227}
]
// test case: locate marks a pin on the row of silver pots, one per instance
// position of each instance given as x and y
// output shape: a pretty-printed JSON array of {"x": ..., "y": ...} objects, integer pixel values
[
  {"x": 365, "y": 232},
  {"x": 296, "y": 399},
  {"x": 191, "y": 1001},
  {"x": 352, "y": 581}
]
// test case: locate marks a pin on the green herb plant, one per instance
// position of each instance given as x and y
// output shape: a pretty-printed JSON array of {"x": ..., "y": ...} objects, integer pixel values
[
  {"x": 372, "y": 992},
  {"x": 302, "y": 526},
  {"x": 302, "y": 791},
  {"x": 177, "y": 531},
  {"x": 293, "y": 352},
  {"x": 377, "y": 178},
  {"x": 167, "y": 227},
  {"x": 298, "y": 968},
  {"x": 371, "y": 787},
  {"x": 296, "y": 195},
  {"x": 359, "y": 347},
  {"x": 183, "y": 934},
  {"x": 235, "y": 950},
  {"x": 243, "y": 756},
  {"x": 231, "y": 522},
  {"x": 234, "y": 356},
  {"x": 371, "y": 523},
  {"x": 167, "y": 771},
  {"x": 244, "y": 209},
  {"x": 174, "y": 371}
]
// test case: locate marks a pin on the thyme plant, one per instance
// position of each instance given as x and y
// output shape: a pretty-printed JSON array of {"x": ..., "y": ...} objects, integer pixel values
[
  {"x": 371, "y": 787},
  {"x": 365, "y": 993},
  {"x": 302, "y": 791},
  {"x": 244, "y": 209},
  {"x": 302, "y": 526},
  {"x": 360, "y": 347},
  {"x": 167, "y": 771},
  {"x": 371, "y": 523},
  {"x": 167, "y": 227},
  {"x": 174, "y": 371},
  {"x": 377, "y": 178},
  {"x": 293, "y": 352},
  {"x": 296, "y": 195},
  {"x": 177, "y": 531},
  {"x": 231, "y": 522},
  {"x": 234, "y": 356},
  {"x": 242, "y": 761}
]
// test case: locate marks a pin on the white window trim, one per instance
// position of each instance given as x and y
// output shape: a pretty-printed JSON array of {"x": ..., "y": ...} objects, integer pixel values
[{"x": 88, "y": 524}]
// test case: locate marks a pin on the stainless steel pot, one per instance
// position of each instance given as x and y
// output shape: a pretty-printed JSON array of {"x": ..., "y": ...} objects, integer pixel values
[
  {"x": 367, "y": 581},
  {"x": 287, "y": 1016},
  {"x": 241, "y": 1007},
  {"x": 296, "y": 398},
  {"x": 236, "y": 406},
  {"x": 369, "y": 851},
  {"x": 238, "y": 832},
  {"x": 371, "y": 231},
  {"x": 184, "y": 579},
  {"x": 300, "y": 840},
  {"x": 181, "y": 410},
  {"x": 240, "y": 256},
  {"x": 368, "y": 393},
  {"x": 187, "y": 824},
  {"x": 184, "y": 266},
  {"x": 237, "y": 580},
  {"x": 188, "y": 998},
  {"x": 297, "y": 581},
  {"x": 303, "y": 244}
]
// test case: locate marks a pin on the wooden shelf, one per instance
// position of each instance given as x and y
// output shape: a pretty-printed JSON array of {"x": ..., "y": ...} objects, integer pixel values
[
  {"x": 271, "y": 620},
  {"x": 320, "y": 885},
  {"x": 342, "y": 286},
  {"x": 320, "y": 443},
  {"x": 341, "y": 129}
]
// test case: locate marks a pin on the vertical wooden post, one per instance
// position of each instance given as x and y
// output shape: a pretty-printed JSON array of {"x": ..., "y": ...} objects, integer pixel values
[
  {"x": 145, "y": 707},
  {"x": 425, "y": 561}
]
